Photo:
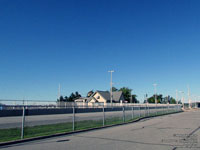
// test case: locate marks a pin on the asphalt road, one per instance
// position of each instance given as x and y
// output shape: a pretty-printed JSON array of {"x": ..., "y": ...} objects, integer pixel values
[
  {"x": 13, "y": 122},
  {"x": 172, "y": 132}
]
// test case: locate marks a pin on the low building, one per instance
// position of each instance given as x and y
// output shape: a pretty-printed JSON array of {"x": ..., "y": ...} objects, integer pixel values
[{"x": 105, "y": 97}]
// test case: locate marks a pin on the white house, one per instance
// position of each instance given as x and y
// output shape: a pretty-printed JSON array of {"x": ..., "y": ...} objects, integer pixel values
[{"x": 104, "y": 97}]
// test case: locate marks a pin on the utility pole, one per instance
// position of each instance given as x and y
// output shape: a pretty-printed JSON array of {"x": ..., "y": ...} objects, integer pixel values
[
  {"x": 111, "y": 95},
  {"x": 155, "y": 92}
]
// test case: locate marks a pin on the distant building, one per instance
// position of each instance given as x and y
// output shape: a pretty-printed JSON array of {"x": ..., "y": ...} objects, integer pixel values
[
  {"x": 104, "y": 97},
  {"x": 98, "y": 98}
]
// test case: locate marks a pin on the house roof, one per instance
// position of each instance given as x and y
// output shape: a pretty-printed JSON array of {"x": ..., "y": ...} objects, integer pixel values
[{"x": 117, "y": 95}]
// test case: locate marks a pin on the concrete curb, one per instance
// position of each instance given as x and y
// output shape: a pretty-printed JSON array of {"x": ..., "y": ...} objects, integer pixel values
[{"x": 78, "y": 131}]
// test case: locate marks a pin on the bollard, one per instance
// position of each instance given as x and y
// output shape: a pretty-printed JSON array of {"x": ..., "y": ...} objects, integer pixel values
[
  {"x": 73, "y": 127},
  {"x": 23, "y": 121},
  {"x": 103, "y": 116}
]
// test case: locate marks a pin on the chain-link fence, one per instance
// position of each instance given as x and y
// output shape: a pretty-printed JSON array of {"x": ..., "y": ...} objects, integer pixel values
[{"x": 32, "y": 119}]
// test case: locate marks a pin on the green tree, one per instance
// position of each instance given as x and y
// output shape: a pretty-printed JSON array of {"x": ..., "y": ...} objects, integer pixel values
[
  {"x": 71, "y": 98},
  {"x": 152, "y": 99},
  {"x": 172, "y": 101},
  {"x": 66, "y": 98},
  {"x": 61, "y": 99},
  {"x": 77, "y": 95},
  {"x": 134, "y": 99},
  {"x": 126, "y": 93}
]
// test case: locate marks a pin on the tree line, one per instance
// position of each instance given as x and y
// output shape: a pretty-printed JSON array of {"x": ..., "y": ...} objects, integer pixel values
[
  {"x": 161, "y": 99},
  {"x": 71, "y": 98},
  {"x": 129, "y": 98}
]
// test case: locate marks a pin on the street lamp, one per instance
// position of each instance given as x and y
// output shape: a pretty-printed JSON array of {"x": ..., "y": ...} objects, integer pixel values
[
  {"x": 155, "y": 85},
  {"x": 111, "y": 96}
]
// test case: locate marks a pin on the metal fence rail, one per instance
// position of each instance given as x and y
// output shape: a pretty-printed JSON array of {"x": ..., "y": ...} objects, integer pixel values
[{"x": 35, "y": 104}]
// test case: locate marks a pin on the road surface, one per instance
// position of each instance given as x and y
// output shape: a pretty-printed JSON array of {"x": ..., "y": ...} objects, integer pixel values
[{"x": 172, "y": 132}]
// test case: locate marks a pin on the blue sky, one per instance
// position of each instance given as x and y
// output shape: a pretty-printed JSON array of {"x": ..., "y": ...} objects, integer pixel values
[{"x": 75, "y": 43}]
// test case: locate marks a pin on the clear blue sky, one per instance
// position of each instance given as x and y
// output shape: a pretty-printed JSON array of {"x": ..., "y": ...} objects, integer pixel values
[{"x": 75, "y": 43}]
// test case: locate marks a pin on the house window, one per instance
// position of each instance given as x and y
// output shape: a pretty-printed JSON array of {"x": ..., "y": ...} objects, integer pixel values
[{"x": 98, "y": 97}]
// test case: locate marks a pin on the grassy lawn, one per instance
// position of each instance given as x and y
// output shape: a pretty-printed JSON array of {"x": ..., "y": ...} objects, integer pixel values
[
  {"x": 35, "y": 131},
  {"x": 43, "y": 130}
]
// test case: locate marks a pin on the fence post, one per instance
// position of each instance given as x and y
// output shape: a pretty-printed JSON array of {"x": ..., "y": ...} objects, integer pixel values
[
  {"x": 123, "y": 113},
  {"x": 23, "y": 121},
  {"x": 103, "y": 116},
  {"x": 132, "y": 112},
  {"x": 73, "y": 118}
]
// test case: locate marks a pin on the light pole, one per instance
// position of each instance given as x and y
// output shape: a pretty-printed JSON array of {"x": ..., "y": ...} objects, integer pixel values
[
  {"x": 155, "y": 85},
  {"x": 189, "y": 100},
  {"x": 111, "y": 96},
  {"x": 182, "y": 98}
]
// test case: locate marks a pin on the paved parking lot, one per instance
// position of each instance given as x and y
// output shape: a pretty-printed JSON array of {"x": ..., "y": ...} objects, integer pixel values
[{"x": 171, "y": 132}]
